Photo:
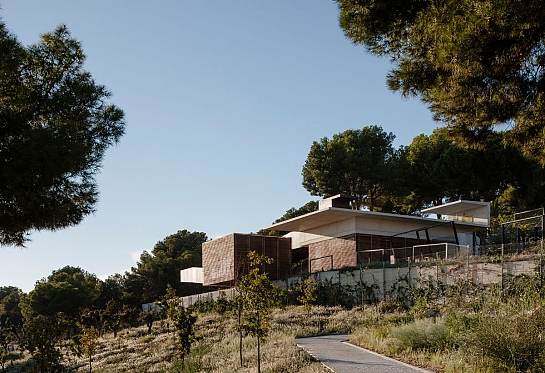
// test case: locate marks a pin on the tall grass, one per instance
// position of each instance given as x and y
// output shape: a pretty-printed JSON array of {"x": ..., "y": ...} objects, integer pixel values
[
  {"x": 216, "y": 349},
  {"x": 496, "y": 329}
]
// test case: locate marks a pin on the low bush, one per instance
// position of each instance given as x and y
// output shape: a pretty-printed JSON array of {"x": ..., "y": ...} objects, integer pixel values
[
  {"x": 421, "y": 335},
  {"x": 516, "y": 342}
]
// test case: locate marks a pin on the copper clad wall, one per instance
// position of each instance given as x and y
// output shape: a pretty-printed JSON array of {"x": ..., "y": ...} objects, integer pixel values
[
  {"x": 335, "y": 253},
  {"x": 218, "y": 260},
  {"x": 225, "y": 258},
  {"x": 332, "y": 253}
]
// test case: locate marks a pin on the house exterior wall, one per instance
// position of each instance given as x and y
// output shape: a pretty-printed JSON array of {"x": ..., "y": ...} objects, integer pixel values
[
  {"x": 332, "y": 253},
  {"x": 218, "y": 259},
  {"x": 338, "y": 229},
  {"x": 277, "y": 248},
  {"x": 351, "y": 250},
  {"x": 225, "y": 258},
  {"x": 378, "y": 228}
]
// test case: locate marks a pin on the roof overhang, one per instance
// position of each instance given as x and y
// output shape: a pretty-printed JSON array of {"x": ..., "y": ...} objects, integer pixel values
[
  {"x": 332, "y": 215},
  {"x": 456, "y": 207}
]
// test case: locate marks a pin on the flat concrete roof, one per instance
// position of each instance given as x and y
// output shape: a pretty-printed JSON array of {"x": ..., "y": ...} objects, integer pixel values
[
  {"x": 456, "y": 207},
  {"x": 333, "y": 214}
]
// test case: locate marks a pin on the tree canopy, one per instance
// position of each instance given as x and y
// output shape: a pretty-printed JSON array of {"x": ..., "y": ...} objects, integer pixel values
[
  {"x": 430, "y": 171},
  {"x": 55, "y": 126},
  {"x": 355, "y": 162},
  {"x": 476, "y": 64},
  {"x": 10, "y": 296},
  {"x": 69, "y": 290},
  {"x": 162, "y": 266}
]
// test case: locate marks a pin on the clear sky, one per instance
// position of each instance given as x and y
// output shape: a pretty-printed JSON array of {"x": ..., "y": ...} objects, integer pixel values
[{"x": 222, "y": 100}]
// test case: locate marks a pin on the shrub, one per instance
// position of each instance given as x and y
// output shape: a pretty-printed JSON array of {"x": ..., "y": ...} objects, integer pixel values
[
  {"x": 420, "y": 335},
  {"x": 514, "y": 341}
]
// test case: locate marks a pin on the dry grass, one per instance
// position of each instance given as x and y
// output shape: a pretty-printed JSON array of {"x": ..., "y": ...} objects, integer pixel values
[{"x": 215, "y": 351}]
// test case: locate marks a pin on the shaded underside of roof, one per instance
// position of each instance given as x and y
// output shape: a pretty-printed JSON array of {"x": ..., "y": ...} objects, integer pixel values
[
  {"x": 456, "y": 207},
  {"x": 332, "y": 215}
]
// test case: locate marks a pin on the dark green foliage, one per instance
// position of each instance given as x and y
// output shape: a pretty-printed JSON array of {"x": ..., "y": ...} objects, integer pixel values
[
  {"x": 116, "y": 287},
  {"x": 149, "y": 317},
  {"x": 223, "y": 305},
  {"x": 308, "y": 293},
  {"x": 55, "y": 126},
  {"x": 476, "y": 64},
  {"x": 8, "y": 335},
  {"x": 335, "y": 294},
  {"x": 354, "y": 162},
  {"x": 203, "y": 306},
  {"x": 441, "y": 170},
  {"x": 116, "y": 316},
  {"x": 69, "y": 290},
  {"x": 162, "y": 266},
  {"x": 183, "y": 322},
  {"x": 10, "y": 296},
  {"x": 43, "y": 335}
]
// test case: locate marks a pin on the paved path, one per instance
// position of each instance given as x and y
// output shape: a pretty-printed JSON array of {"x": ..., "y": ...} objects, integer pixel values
[{"x": 343, "y": 357}]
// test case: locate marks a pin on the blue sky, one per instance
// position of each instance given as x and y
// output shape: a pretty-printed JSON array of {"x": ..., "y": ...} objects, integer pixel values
[{"x": 222, "y": 100}]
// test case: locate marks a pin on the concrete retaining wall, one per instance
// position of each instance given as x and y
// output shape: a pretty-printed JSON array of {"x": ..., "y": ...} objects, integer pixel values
[{"x": 478, "y": 273}]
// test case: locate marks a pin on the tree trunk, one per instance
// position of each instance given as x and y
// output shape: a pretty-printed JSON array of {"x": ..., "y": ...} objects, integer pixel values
[
  {"x": 258, "y": 355},
  {"x": 240, "y": 333},
  {"x": 258, "y": 344}
]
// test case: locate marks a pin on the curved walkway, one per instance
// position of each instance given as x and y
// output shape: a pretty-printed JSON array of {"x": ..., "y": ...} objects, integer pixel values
[{"x": 341, "y": 357}]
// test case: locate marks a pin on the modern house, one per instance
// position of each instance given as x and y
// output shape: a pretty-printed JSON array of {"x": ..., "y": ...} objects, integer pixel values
[{"x": 336, "y": 236}]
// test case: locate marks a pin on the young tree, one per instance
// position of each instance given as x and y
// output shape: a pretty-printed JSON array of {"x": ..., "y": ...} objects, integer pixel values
[
  {"x": 89, "y": 340},
  {"x": 476, "y": 64},
  {"x": 171, "y": 302},
  {"x": 149, "y": 317},
  {"x": 222, "y": 304},
  {"x": 355, "y": 162},
  {"x": 116, "y": 316},
  {"x": 183, "y": 322},
  {"x": 258, "y": 296},
  {"x": 308, "y": 289},
  {"x": 55, "y": 127},
  {"x": 238, "y": 327},
  {"x": 43, "y": 336},
  {"x": 8, "y": 335}
]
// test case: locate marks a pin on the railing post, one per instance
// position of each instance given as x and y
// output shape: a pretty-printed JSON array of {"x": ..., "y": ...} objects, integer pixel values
[
  {"x": 467, "y": 279},
  {"x": 383, "y": 276},
  {"x": 502, "y": 252},
  {"x": 541, "y": 253}
]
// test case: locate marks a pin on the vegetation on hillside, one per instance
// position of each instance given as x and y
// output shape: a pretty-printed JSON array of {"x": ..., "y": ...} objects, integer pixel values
[{"x": 55, "y": 126}]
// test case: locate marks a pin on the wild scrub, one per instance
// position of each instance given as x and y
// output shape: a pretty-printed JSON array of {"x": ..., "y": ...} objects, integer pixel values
[
  {"x": 215, "y": 349},
  {"x": 495, "y": 329}
]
